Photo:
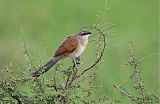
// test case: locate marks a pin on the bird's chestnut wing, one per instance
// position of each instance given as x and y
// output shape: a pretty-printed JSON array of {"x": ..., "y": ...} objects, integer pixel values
[{"x": 67, "y": 47}]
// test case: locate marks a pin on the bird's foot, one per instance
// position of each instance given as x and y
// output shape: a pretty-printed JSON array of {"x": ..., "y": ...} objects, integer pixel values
[{"x": 76, "y": 62}]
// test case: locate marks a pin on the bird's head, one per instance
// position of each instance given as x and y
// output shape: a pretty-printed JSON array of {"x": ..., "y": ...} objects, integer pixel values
[{"x": 84, "y": 33}]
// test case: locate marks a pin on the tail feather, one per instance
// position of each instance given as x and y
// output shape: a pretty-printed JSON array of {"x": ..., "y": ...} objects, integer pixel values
[{"x": 46, "y": 67}]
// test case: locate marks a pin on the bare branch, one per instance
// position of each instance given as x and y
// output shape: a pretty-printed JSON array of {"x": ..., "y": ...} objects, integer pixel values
[
  {"x": 118, "y": 87},
  {"x": 103, "y": 49}
]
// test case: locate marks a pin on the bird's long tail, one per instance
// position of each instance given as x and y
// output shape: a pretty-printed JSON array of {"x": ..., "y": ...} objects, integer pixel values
[{"x": 46, "y": 67}]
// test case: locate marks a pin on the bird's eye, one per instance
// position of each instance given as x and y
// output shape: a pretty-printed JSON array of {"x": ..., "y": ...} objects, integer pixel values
[{"x": 84, "y": 33}]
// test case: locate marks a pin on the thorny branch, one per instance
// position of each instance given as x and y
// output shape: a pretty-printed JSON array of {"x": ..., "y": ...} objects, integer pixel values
[
  {"x": 16, "y": 98},
  {"x": 8, "y": 90},
  {"x": 72, "y": 74},
  {"x": 145, "y": 97},
  {"x": 103, "y": 49},
  {"x": 123, "y": 91}
]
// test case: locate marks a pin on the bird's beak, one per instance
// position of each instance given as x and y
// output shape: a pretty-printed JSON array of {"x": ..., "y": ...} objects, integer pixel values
[{"x": 88, "y": 33}]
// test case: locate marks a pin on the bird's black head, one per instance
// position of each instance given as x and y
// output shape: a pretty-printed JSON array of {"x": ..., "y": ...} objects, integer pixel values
[{"x": 83, "y": 33}]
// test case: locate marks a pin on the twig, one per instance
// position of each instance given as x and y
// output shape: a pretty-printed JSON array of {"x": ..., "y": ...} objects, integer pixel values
[
  {"x": 144, "y": 97},
  {"x": 102, "y": 52},
  {"x": 28, "y": 57},
  {"x": 118, "y": 87},
  {"x": 16, "y": 98},
  {"x": 72, "y": 76},
  {"x": 8, "y": 91},
  {"x": 68, "y": 79}
]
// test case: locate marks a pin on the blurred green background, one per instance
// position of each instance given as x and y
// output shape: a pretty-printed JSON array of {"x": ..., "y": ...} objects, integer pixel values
[{"x": 45, "y": 23}]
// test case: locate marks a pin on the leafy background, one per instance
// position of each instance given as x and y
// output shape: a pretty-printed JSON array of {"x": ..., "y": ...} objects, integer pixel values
[{"x": 44, "y": 24}]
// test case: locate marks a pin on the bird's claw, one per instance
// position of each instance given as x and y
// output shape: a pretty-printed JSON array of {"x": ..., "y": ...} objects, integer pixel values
[{"x": 76, "y": 62}]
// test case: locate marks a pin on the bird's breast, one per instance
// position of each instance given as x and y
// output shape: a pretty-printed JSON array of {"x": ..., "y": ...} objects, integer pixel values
[{"x": 80, "y": 49}]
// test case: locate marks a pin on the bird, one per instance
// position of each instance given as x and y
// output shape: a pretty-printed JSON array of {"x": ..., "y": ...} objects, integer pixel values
[{"x": 73, "y": 47}]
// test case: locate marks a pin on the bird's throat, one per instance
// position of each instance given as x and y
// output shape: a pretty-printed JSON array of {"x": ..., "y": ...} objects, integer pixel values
[{"x": 83, "y": 40}]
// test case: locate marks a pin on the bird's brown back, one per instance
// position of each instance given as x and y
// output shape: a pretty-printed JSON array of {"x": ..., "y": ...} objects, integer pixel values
[{"x": 67, "y": 47}]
